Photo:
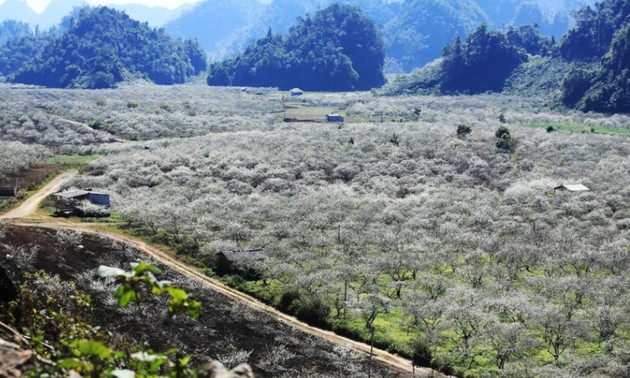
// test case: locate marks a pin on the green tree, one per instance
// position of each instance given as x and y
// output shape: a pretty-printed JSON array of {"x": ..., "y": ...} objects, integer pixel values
[{"x": 337, "y": 49}]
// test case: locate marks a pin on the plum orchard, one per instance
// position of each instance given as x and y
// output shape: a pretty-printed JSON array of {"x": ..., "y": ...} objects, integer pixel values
[
  {"x": 463, "y": 251},
  {"x": 476, "y": 256}
]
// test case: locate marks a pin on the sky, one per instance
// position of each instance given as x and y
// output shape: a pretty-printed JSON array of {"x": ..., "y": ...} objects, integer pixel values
[{"x": 40, "y": 5}]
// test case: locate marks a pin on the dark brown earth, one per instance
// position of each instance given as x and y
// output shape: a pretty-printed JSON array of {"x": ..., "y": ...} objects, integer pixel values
[
  {"x": 34, "y": 175},
  {"x": 26, "y": 179},
  {"x": 225, "y": 329}
]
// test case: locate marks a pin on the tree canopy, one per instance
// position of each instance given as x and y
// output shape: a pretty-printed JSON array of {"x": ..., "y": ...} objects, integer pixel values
[
  {"x": 483, "y": 63},
  {"x": 101, "y": 47},
  {"x": 595, "y": 28},
  {"x": 603, "y": 32},
  {"x": 337, "y": 49}
]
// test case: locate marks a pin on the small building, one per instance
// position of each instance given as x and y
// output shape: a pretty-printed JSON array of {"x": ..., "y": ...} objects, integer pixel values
[
  {"x": 334, "y": 117},
  {"x": 8, "y": 191},
  {"x": 572, "y": 188},
  {"x": 296, "y": 92},
  {"x": 70, "y": 201},
  {"x": 243, "y": 262}
]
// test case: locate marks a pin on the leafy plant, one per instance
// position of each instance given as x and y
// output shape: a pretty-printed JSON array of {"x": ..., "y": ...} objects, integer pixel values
[{"x": 144, "y": 273}]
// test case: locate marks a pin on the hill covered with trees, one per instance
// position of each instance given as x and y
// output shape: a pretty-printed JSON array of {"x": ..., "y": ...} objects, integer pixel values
[
  {"x": 414, "y": 31},
  {"x": 337, "y": 49},
  {"x": 483, "y": 62},
  {"x": 594, "y": 57},
  {"x": 602, "y": 35},
  {"x": 100, "y": 48}
]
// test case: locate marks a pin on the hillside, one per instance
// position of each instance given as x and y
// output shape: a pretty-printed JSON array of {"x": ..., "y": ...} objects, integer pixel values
[
  {"x": 338, "y": 49},
  {"x": 414, "y": 30},
  {"x": 602, "y": 35},
  {"x": 587, "y": 70},
  {"x": 59, "y": 266},
  {"x": 216, "y": 24},
  {"x": 54, "y": 12},
  {"x": 102, "y": 47},
  {"x": 418, "y": 33}
]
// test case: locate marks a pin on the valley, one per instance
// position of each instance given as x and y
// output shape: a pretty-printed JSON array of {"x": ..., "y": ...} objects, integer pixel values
[{"x": 445, "y": 246}]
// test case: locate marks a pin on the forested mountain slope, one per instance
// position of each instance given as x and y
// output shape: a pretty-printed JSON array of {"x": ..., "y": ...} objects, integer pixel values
[
  {"x": 595, "y": 56},
  {"x": 338, "y": 49},
  {"x": 602, "y": 35},
  {"x": 55, "y": 10},
  {"x": 217, "y": 24},
  {"x": 102, "y": 47},
  {"x": 414, "y": 30},
  {"x": 418, "y": 33}
]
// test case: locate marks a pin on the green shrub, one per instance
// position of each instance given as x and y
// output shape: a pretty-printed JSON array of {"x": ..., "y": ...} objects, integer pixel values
[
  {"x": 309, "y": 309},
  {"x": 463, "y": 130}
]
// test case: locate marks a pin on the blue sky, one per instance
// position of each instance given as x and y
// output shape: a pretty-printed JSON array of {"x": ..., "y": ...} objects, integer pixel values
[{"x": 40, "y": 5}]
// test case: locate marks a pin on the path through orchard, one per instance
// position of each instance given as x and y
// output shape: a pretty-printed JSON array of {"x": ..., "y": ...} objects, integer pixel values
[{"x": 24, "y": 215}]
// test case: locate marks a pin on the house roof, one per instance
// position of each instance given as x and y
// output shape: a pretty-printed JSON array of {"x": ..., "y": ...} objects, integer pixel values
[
  {"x": 253, "y": 254},
  {"x": 72, "y": 193},
  {"x": 573, "y": 187},
  {"x": 296, "y": 90},
  {"x": 76, "y": 193}
]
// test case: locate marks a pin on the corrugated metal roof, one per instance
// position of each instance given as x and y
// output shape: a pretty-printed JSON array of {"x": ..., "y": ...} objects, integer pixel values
[
  {"x": 573, "y": 187},
  {"x": 72, "y": 193},
  {"x": 77, "y": 193}
]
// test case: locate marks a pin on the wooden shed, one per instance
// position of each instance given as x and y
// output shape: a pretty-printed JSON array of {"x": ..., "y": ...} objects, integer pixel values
[
  {"x": 68, "y": 202},
  {"x": 242, "y": 262},
  {"x": 8, "y": 191},
  {"x": 334, "y": 117}
]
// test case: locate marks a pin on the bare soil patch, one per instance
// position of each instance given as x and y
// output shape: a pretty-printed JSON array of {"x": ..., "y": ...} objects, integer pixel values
[{"x": 225, "y": 329}]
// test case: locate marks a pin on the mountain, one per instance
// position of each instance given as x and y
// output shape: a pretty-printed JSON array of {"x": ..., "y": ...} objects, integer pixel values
[
  {"x": 216, "y": 24},
  {"x": 602, "y": 34},
  {"x": 418, "y": 33},
  {"x": 57, "y": 9},
  {"x": 102, "y": 47},
  {"x": 156, "y": 16},
  {"x": 414, "y": 30},
  {"x": 226, "y": 28},
  {"x": 588, "y": 70},
  {"x": 337, "y": 49},
  {"x": 10, "y": 29},
  {"x": 17, "y": 10}
]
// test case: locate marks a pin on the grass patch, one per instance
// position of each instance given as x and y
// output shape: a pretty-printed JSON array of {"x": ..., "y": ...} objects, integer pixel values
[
  {"x": 314, "y": 113},
  {"x": 72, "y": 159}
]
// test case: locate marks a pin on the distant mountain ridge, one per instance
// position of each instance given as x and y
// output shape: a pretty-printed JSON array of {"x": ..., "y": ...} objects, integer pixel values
[
  {"x": 414, "y": 30},
  {"x": 98, "y": 48},
  {"x": 57, "y": 9}
]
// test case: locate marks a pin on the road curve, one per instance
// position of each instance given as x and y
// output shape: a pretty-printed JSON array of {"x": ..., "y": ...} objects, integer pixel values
[
  {"x": 20, "y": 217},
  {"x": 28, "y": 207}
]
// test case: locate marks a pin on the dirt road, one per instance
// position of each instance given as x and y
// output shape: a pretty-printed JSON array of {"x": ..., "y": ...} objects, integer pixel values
[{"x": 28, "y": 207}]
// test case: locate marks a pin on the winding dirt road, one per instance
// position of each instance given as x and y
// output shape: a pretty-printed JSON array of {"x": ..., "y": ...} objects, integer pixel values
[
  {"x": 23, "y": 216},
  {"x": 28, "y": 207}
]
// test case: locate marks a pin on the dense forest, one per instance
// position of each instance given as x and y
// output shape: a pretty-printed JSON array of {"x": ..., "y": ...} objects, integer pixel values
[
  {"x": 588, "y": 68},
  {"x": 414, "y": 30},
  {"x": 602, "y": 35},
  {"x": 100, "y": 48},
  {"x": 337, "y": 49},
  {"x": 422, "y": 27}
]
